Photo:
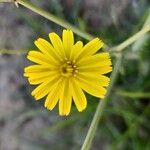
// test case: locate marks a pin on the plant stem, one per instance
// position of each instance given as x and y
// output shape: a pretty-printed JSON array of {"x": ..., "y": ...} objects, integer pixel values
[
  {"x": 100, "y": 109},
  {"x": 114, "y": 50},
  {"x": 132, "y": 39},
  {"x": 54, "y": 19},
  {"x": 51, "y": 17},
  {"x": 6, "y": 1},
  {"x": 85, "y": 35},
  {"x": 133, "y": 94},
  {"x": 12, "y": 52}
]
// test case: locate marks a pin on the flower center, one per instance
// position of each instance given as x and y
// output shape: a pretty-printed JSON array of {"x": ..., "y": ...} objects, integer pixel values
[{"x": 68, "y": 69}]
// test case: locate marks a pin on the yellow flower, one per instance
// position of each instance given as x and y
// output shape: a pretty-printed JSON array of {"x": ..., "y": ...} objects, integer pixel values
[{"x": 64, "y": 69}]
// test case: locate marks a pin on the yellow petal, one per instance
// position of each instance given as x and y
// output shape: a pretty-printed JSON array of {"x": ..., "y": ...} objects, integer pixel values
[
  {"x": 40, "y": 74},
  {"x": 94, "y": 78},
  {"x": 37, "y": 78},
  {"x": 94, "y": 62},
  {"x": 52, "y": 98},
  {"x": 92, "y": 89},
  {"x": 95, "y": 65},
  {"x": 39, "y": 58},
  {"x": 76, "y": 49},
  {"x": 99, "y": 70},
  {"x": 104, "y": 70},
  {"x": 57, "y": 43},
  {"x": 44, "y": 88},
  {"x": 97, "y": 58},
  {"x": 78, "y": 96},
  {"x": 68, "y": 105},
  {"x": 90, "y": 48},
  {"x": 68, "y": 41},
  {"x": 65, "y": 98},
  {"x": 48, "y": 49},
  {"x": 39, "y": 68}
]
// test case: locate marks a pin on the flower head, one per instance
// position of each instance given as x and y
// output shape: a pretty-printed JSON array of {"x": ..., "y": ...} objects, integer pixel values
[{"x": 65, "y": 69}]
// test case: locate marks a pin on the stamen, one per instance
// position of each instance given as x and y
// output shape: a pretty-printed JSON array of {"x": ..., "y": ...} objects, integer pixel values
[
  {"x": 68, "y": 69},
  {"x": 74, "y": 75},
  {"x": 76, "y": 71},
  {"x": 74, "y": 66},
  {"x": 68, "y": 62}
]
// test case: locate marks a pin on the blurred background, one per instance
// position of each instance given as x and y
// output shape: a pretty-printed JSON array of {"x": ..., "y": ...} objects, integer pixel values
[{"x": 26, "y": 125}]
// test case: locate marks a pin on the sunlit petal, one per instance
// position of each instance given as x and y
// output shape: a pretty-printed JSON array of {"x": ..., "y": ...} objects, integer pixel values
[
  {"x": 65, "y": 98},
  {"x": 68, "y": 41},
  {"x": 57, "y": 44},
  {"x": 90, "y": 48},
  {"x": 78, "y": 96}
]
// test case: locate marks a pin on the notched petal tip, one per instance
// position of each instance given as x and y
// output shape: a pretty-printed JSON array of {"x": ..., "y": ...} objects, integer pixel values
[
  {"x": 31, "y": 52},
  {"x": 48, "y": 108},
  {"x": 64, "y": 30},
  {"x": 104, "y": 94},
  {"x": 67, "y": 30},
  {"x": 52, "y": 34},
  {"x": 67, "y": 114},
  {"x": 36, "y": 42},
  {"x": 64, "y": 114},
  {"x": 28, "y": 57},
  {"x": 81, "y": 110},
  {"x": 102, "y": 97},
  {"x": 39, "y": 40},
  {"x": 110, "y": 63},
  {"x": 36, "y": 98},
  {"x": 90, "y": 48},
  {"x": 25, "y": 69},
  {"x": 25, "y": 74},
  {"x": 111, "y": 68},
  {"x": 99, "y": 42},
  {"x": 33, "y": 93}
]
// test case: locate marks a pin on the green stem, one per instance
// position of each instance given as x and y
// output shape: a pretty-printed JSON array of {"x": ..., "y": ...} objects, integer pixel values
[
  {"x": 12, "y": 52},
  {"x": 99, "y": 111},
  {"x": 54, "y": 19},
  {"x": 85, "y": 35},
  {"x": 51, "y": 17},
  {"x": 113, "y": 50},
  {"x": 6, "y": 1},
  {"x": 133, "y": 94},
  {"x": 132, "y": 39}
]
